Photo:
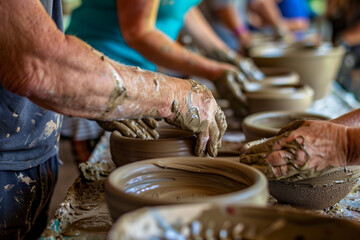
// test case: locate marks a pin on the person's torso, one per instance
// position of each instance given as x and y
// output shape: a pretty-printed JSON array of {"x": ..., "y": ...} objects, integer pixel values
[
  {"x": 28, "y": 133},
  {"x": 96, "y": 22}
]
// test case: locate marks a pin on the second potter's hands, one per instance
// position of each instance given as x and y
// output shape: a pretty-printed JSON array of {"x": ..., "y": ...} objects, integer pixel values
[
  {"x": 230, "y": 86},
  {"x": 301, "y": 150},
  {"x": 245, "y": 65},
  {"x": 136, "y": 128},
  {"x": 203, "y": 116}
]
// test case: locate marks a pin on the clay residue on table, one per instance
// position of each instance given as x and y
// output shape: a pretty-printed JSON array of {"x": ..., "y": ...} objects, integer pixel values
[
  {"x": 82, "y": 212},
  {"x": 183, "y": 182}
]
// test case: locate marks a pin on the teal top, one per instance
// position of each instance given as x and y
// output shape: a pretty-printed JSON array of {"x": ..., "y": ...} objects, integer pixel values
[{"x": 96, "y": 23}]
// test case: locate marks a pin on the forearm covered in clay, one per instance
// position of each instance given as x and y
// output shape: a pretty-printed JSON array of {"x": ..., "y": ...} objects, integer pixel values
[
  {"x": 353, "y": 136},
  {"x": 64, "y": 74}
]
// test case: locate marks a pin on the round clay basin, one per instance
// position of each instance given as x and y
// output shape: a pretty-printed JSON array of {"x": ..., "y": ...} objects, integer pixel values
[
  {"x": 165, "y": 181},
  {"x": 271, "y": 223},
  {"x": 316, "y": 193},
  {"x": 268, "y": 124},
  {"x": 279, "y": 76},
  {"x": 173, "y": 142},
  {"x": 316, "y": 67},
  {"x": 278, "y": 97}
]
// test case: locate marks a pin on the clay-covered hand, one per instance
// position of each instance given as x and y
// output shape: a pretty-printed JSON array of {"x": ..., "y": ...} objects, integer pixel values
[
  {"x": 246, "y": 65},
  {"x": 304, "y": 149},
  {"x": 135, "y": 128},
  {"x": 201, "y": 115},
  {"x": 230, "y": 86}
]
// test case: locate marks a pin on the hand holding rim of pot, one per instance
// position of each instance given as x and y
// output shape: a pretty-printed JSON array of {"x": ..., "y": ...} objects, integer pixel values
[
  {"x": 230, "y": 86},
  {"x": 303, "y": 149},
  {"x": 200, "y": 114},
  {"x": 136, "y": 128},
  {"x": 244, "y": 64}
]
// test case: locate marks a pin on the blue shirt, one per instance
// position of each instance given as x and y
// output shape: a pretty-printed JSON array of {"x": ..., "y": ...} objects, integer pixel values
[
  {"x": 96, "y": 22},
  {"x": 295, "y": 9},
  {"x": 28, "y": 133}
]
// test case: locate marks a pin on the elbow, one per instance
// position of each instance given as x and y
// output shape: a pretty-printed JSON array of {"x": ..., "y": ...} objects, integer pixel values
[{"x": 134, "y": 38}]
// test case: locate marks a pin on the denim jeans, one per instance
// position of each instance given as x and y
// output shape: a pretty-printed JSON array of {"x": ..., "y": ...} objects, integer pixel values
[{"x": 25, "y": 198}]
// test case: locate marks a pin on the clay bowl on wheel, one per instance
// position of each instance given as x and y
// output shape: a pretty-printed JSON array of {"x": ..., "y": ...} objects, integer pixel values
[
  {"x": 216, "y": 222},
  {"x": 278, "y": 97},
  {"x": 268, "y": 124},
  {"x": 173, "y": 142},
  {"x": 279, "y": 76},
  {"x": 317, "y": 66},
  {"x": 166, "y": 181},
  {"x": 316, "y": 193}
]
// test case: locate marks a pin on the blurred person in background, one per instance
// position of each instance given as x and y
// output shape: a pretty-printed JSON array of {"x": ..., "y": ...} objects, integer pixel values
[{"x": 233, "y": 20}]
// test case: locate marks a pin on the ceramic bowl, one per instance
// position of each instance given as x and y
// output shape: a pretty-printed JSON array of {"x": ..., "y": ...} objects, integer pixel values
[
  {"x": 317, "y": 67},
  {"x": 278, "y": 97},
  {"x": 279, "y": 76},
  {"x": 202, "y": 221},
  {"x": 173, "y": 142},
  {"x": 316, "y": 193},
  {"x": 169, "y": 181},
  {"x": 268, "y": 124}
]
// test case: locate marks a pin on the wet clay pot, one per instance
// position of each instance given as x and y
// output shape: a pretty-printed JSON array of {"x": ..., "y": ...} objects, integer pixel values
[
  {"x": 317, "y": 67},
  {"x": 268, "y": 124},
  {"x": 275, "y": 223},
  {"x": 169, "y": 181},
  {"x": 279, "y": 76},
  {"x": 173, "y": 142},
  {"x": 316, "y": 193},
  {"x": 278, "y": 97}
]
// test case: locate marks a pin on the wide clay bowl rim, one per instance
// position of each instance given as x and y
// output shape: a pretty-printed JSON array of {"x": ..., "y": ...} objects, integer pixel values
[
  {"x": 262, "y": 218},
  {"x": 187, "y": 135},
  {"x": 280, "y": 72},
  {"x": 281, "y": 92},
  {"x": 296, "y": 53},
  {"x": 259, "y": 180},
  {"x": 248, "y": 121}
]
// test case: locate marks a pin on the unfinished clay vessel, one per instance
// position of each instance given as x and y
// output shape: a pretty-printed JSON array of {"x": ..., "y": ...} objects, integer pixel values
[
  {"x": 317, "y": 66},
  {"x": 278, "y": 97},
  {"x": 316, "y": 193},
  {"x": 279, "y": 76},
  {"x": 268, "y": 124},
  {"x": 173, "y": 142},
  {"x": 169, "y": 181},
  {"x": 215, "y": 222}
]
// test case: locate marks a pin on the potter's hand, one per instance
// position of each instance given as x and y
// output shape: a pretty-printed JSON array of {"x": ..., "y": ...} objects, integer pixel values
[
  {"x": 246, "y": 65},
  {"x": 135, "y": 128},
  {"x": 302, "y": 150},
  {"x": 230, "y": 86},
  {"x": 201, "y": 115}
]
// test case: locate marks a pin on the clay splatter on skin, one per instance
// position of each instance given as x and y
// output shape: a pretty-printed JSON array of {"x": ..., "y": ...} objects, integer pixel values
[
  {"x": 157, "y": 85},
  {"x": 118, "y": 95},
  {"x": 174, "y": 106},
  {"x": 190, "y": 120},
  {"x": 166, "y": 49},
  {"x": 256, "y": 156}
]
